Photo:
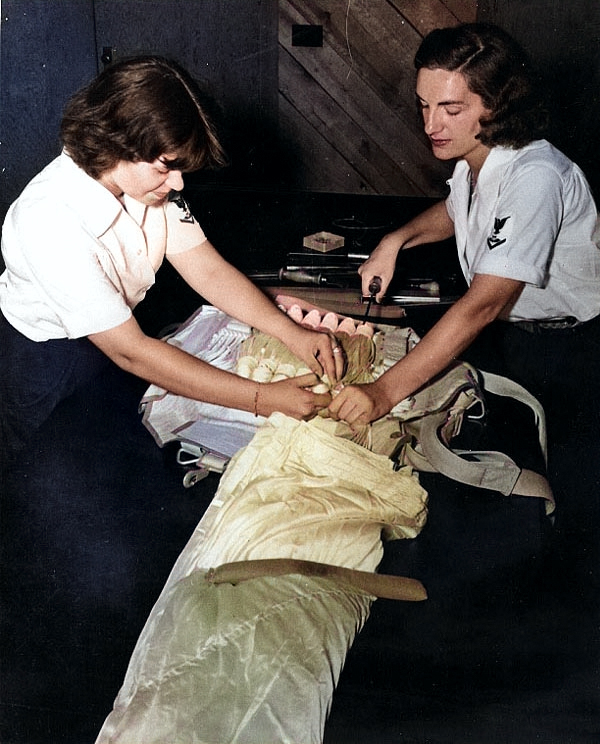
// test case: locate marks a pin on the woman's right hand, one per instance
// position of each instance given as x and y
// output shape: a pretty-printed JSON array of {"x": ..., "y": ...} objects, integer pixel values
[
  {"x": 381, "y": 263},
  {"x": 358, "y": 405},
  {"x": 292, "y": 396}
]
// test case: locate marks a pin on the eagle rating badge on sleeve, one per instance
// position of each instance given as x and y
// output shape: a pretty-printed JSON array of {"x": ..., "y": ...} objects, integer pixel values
[
  {"x": 500, "y": 233},
  {"x": 185, "y": 212}
]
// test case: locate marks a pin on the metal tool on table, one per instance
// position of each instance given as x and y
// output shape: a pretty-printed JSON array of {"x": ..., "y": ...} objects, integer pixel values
[
  {"x": 374, "y": 289},
  {"x": 328, "y": 278},
  {"x": 297, "y": 260},
  {"x": 320, "y": 270}
]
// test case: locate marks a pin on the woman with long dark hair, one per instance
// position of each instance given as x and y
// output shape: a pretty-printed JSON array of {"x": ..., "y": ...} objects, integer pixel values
[{"x": 524, "y": 220}]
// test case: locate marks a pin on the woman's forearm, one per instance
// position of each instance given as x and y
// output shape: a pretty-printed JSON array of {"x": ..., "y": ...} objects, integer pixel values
[
  {"x": 431, "y": 226},
  {"x": 224, "y": 286},
  {"x": 171, "y": 368},
  {"x": 181, "y": 373},
  {"x": 444, "y": 343},
  {"x": 206, "y": 271},
  {"x": 449, "y": 337}
]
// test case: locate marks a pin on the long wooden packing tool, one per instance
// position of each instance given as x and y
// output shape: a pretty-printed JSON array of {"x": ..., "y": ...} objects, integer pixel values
[{"x": 379, "y": 585}]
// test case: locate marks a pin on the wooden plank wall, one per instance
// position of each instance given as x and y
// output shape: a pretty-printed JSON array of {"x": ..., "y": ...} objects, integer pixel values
[{"x": 347, "y": 115}]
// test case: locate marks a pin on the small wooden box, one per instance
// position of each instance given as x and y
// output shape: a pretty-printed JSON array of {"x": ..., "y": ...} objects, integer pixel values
[{"x": 323, "y": 242}]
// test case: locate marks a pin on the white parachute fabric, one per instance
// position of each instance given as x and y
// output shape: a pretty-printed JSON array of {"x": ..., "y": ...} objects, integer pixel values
[{"x": 259, "y": 661}]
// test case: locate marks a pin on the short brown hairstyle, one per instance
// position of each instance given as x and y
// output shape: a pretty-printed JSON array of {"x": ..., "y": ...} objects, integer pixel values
[
  {"x": 498, "y": 70},
  {"x": 137, "y": 110}
]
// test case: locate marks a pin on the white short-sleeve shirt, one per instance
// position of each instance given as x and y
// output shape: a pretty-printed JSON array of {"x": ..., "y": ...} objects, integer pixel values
[
  {"x": 531, "y": 218},
  {"x": 77, "y": 259}
]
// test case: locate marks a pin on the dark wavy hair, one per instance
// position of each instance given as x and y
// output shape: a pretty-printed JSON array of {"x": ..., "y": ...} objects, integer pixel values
[
  {"x": 498, "y": 70},
  {"x": 137, "y": 110}
]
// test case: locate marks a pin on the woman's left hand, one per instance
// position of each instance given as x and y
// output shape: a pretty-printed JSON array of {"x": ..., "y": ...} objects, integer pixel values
[{"x": 321, "y": 352}]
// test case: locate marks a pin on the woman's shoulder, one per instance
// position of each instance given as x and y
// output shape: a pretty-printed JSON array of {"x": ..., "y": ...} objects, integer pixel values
[
  {"x": 542, "y": 154},
  {"x": 62, "y": 194},
  {"x": 549, "y": 168}
]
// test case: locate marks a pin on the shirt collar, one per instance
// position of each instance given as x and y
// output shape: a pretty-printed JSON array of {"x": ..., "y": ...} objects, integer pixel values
[
  {"x": 498, "y": 156},
  {"x": 93, "y": 201}
]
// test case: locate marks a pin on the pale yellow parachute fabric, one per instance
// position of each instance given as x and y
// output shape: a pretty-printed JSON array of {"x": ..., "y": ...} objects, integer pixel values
[
  {"x": 258, "y": 662},
  {"x": 253, "y": 663},
  {"x": 297, "y": 492}
]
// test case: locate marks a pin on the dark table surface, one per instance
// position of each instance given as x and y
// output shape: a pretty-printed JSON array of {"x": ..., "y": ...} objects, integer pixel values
[{"x": 94, "y": 515}]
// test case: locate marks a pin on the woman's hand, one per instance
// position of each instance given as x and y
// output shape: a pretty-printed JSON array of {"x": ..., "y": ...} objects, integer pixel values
[
  {"x": 292, "y": 397},
  {"x": 381, "y": 263},
  {"x": 360, "y": 404},
  {"x": 321, "y": 351}
]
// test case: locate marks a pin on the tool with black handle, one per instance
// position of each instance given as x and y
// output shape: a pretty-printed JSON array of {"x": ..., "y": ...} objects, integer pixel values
[{"x": 374, "y": 289}]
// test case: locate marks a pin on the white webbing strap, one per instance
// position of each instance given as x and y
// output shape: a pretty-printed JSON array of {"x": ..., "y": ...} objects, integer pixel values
[
  {"x": 506, "y": 387},
  {"x": 491, "y": 470}
]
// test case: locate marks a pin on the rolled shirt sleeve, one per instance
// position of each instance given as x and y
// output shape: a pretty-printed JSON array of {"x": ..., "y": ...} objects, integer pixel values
[
  {"x": 58, "y": 287},
  {"x": 530, "y": 218},
  {"x": 77, "y": 260},
  {"x": 522, "y": 232}
]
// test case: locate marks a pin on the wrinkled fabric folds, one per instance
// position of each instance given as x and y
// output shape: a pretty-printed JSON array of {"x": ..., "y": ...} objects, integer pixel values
[
  {"x": 254, "y": 663},
  {"x": 258, "y": 662},
  {"x": 296, "y": 491}
]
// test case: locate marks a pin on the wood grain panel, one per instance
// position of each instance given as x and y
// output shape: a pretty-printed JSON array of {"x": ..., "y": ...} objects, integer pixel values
[
  {"x": 425, "y": 15},
  {"x": 327, "y": 169},
  {"x": 352, "y": 101},
  {"x": 341, "y": 133},
  {"x": 375, "y": 44},
  {"x": 358, "y": 106}
]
